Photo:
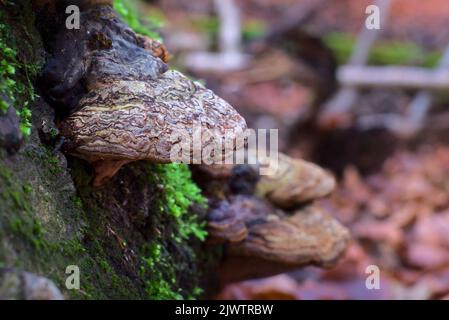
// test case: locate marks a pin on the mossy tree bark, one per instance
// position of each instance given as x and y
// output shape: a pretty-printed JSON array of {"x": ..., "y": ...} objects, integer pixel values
[{"x": 137, "y": 237}]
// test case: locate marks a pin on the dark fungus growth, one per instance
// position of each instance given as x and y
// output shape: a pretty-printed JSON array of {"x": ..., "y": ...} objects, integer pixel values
[
  {"x": 103, "y": 49},
  {"x": 271, "y": 224},
  {"x": 118, "y": 101},
  {"x": 10, "y": 136}
]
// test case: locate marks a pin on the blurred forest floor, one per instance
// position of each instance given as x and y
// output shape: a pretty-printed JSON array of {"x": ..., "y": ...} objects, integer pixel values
[{"x": 393, "y": 192}]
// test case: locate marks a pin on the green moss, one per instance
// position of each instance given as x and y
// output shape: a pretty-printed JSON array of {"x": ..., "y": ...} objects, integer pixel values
[
  {"x": 53, "y": 133},
  {"x": 159, "y": 272},
  {"x": 206, "y": 24},
  {"x": 178, "y": 194},
  {"x": 47, "y": 157},
  {"x": 16, "y": 88},
  {"x": 251, "y": 29},
  {"x": 20, "y": 220},
  {"x": 72, "y": 247},
  {"x": 47, "y": 222},
  {"x": 100, "y": 280},
  {"x": 77, "y": 202},
  {"x": 341, "y": 44},
  {"x": 29, "y": 229},
  {"x": 383, "y": 52},
  {"x": 43, "y": 225},
  {"x": 28, "y": 189},
  {"x": 162, "y": 269},
  {"x": 144, "y": 25},
  {"x": 52, "y": 161},
  {"x": 397, "y": 52}
]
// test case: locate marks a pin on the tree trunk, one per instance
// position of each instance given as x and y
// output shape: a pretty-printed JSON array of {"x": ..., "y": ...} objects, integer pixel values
[{"x": 123, "y": 237}]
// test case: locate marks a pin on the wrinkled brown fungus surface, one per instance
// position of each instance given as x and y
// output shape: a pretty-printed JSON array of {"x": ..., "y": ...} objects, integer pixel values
[
  {"x": 254, "y": 231},
  {"x": 296, "y": 181},
  {"x": 122, "y": 102},
  {"x": 133, "y": 120},
  {"x": 309, "y": 236},
  {"x": 270, "y": 225}
]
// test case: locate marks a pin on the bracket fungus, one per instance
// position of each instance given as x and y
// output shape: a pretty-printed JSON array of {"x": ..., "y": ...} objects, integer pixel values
[
  {"x": 257, "y": 229},
  {"x": 296, "y": 181},
  {"x": 124, "y": 104},
  {"x": 308, "y": 236},
  {"x": 292, "y": 183},
  {"x": 136, "y": 120},
  {"x": 261, "y": 240}
]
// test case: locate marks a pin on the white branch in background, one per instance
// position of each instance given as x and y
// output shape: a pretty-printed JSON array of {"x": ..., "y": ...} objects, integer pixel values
[
  {"x": 230, "y": 26},
  {"x": 421, "y": 104},
  {"x": 229, "y": 57},
  {"x": 367, "y": 37},
  {"x": 424, "y": 79},
  {"x": 394, "y": 77},
  {"x": 345, "y": 98}
]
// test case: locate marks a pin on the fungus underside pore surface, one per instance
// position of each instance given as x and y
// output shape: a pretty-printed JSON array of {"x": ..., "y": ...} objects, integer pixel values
[{"x": 140, "y": 236}]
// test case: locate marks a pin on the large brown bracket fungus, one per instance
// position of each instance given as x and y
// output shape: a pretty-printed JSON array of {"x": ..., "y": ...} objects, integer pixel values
[
  {"x": 272, "y": 227},
  {"x": 122, "y": 102},
  {"x": 133, "y": 120}
]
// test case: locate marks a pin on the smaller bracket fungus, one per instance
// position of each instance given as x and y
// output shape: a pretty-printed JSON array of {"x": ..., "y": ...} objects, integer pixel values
[
  {"x": 224, "y": 226},
  {"x": 292, "y": 182},
  {"x": 268, "y": 224},
  {"x": 257, "y": 234},
  {"x": 216, "y": 171},
  {"x": 309, "y": 236},
  {"x": 295, "y": 182}
]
